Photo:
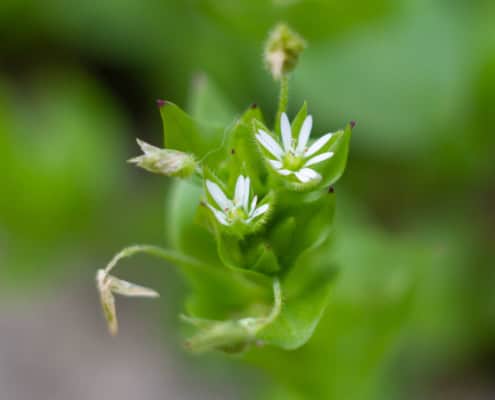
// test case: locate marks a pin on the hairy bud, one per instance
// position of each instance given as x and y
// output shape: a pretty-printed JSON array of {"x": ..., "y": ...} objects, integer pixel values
[
  {"x": 164, "y": 161},
  {"x": 282, "y": 50}
]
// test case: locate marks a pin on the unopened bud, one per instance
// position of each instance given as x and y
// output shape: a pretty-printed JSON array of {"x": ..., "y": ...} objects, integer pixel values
[
  {"x": 282, "y": 50},
  {"x": 164, "y": 161}
]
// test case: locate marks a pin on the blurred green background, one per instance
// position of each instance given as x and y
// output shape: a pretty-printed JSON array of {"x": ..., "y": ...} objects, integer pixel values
[{"x": 413, "y": 315}]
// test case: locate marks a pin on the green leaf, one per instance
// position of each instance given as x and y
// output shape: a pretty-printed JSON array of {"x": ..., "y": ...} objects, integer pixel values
[
  {"x": 182, "y": 230},
  {"x": 312, "y": 225},
  {"x": 244, "y": 156},
  {"x": 183, "y": 133},
  {"x": 267, "y": 262},
  {"x": 305, "y": 291},
  {"x": 333, "y": 169},
  {"x": 299, "y": 119}
]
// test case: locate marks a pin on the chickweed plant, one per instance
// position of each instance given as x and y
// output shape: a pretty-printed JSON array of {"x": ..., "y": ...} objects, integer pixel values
[{"x": 250, "y": 218}]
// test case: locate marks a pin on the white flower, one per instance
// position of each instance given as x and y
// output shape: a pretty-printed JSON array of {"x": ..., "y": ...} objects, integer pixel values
[
  {"x": 294, "y": 156},
  {"x": 238, "y": 209}
]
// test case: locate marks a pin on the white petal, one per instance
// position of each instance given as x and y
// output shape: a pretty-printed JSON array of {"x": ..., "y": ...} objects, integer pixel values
[
  {"x": 218, "y": 195},
  {"x": 318, "y": 144},
  {"x": 307, "y": 174},
  {"x": 275, "y": 164},
  {"x": 286, "y": 132},
  {"x": 270, "y": 144},
  {"x": 239, "y": 190},
  {"x": 253, "y": 205},
  {"x": 319, "y": 158},
  {"x": 245, "y": 198},
  {"x": 304, "y": 134},
  {"x": 220, "y": 216},
  {"x": 260, "y": 210},
  {"x": 284, "y": 172}
]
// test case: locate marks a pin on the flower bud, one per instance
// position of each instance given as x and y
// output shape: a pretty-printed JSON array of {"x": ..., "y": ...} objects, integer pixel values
[
  {"x": 164, "y": 161},
  {"x": 282, "y": 50}
]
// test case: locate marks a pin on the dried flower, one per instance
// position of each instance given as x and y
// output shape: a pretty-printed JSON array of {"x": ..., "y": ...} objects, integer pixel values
[
  {"x": 282, "y": 50},
  {"x": 164, "y": 161}
]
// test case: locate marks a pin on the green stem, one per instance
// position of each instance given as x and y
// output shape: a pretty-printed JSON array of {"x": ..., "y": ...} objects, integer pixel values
[
  {"x": 168, "y": 255},
  {"x": 283, "y": 100}
]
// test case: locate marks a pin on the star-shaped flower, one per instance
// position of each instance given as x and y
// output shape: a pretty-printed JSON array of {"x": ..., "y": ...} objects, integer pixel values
[
  {"x": 239, "y": 209},
  {"x": 294, "y": 157}
]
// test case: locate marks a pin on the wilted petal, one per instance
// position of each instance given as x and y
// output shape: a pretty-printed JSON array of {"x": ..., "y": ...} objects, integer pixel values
[
  {"x": 146, "y": 147},
  {"x": 165, "y": 161},
  {"x": 318, "y": 144},
  {"x": 129, "y": 289},
  {"x": 269, "y": 144},
  {"x": 107, "y": 302},
  {"x": 319, "y": 158},
  {"x": 304, "y": 134},
  {"x": 286, "y": 132}
]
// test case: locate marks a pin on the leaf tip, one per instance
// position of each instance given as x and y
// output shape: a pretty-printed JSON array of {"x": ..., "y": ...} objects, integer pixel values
[{"x": 160, "y": 103}]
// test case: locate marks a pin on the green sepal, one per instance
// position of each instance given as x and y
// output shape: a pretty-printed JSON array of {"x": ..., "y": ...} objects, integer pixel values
[
  {"x": 299, "y": 119},
  {"x": 332, "y": 169},
  {"x": 244, "y": 157},
  {"x": 267, "y": 262},
  {"x": 228, "y": 248}
]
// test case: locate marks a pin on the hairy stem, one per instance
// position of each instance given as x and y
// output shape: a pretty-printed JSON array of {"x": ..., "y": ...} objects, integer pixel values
[{"x": 283, "y": 100}]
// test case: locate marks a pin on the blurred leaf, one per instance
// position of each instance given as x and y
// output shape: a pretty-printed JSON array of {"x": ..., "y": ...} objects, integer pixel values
[
  {"x": 314, "y": 19},
  {"x": 207, "y": 104},
  {"x": 183, "y": 133}
]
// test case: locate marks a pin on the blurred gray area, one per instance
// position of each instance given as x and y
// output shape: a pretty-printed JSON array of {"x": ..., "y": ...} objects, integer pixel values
[{"x": 55, "y": 347}]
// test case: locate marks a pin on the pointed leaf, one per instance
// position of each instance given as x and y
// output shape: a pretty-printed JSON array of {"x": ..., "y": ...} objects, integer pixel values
[{"x": 183, "y": 133}]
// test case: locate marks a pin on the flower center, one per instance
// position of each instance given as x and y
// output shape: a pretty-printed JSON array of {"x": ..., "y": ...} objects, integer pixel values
[
  {"x": 292, "y": 162},
  {"x": 236, "y": 213}
]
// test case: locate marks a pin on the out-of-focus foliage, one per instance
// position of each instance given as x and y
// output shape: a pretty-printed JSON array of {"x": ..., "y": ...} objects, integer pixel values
[{"x": 414, "y": 297}]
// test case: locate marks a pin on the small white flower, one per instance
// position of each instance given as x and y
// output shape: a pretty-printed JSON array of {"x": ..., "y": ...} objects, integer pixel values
[
  {"x": 238, "y": 209},
  {"x": 294, "y": 157}
]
